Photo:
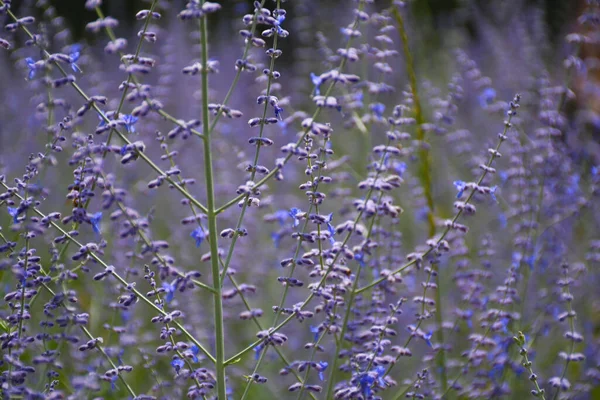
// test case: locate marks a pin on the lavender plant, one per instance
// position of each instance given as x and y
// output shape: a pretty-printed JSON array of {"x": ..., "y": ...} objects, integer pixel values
[{"x": 185, "y": 213}]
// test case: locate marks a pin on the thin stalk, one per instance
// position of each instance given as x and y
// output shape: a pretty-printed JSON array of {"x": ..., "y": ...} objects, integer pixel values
[
  {"x": 212, "y": 222},
  {"x": 425, "y": 180}
]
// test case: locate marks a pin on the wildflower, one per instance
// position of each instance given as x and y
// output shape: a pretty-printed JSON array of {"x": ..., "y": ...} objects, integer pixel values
[
  {"x": 378, "y": 109},
  {"x": 487, "y": 97},
  {"x": 130, "y": 120},
  {"x": 317, "y": 81},
  {"x": 293, "y": 213},
  {"x": 360, "y": 257},
  {"x": 368, "y": 379},
  {"x": 257, "y": 350},
  {"x": 460, "y": 186},
  {"x": 330, "y": 228},
  {"x": 315, "y": 331},
  {"x": 493, "y": 193},
  {"x": 278, "y": 111},
  {"x": 279, "y": 21},
  {"x": 14, "y": 212},
  {"x": 322, "y": 366},
  {"x": 276, "y": 237},
  {"x": 195, "y": 350},
  {"x": 366, "y": 382},
  {"x": 380, "y": 370},
  {"x": 113, "y": 379},
  {"x": 32, "y": 67},
  {"x": 427, "y": 338},
  {"x": 199, "y": 235},
  {"x": 400, "y": 168},
  {"x": 177, "y": 363},
  {"x": 280, "y": 216},
  {"x": 74, "y": 56},
  {"x": 169, "y": 290},
  {"x": 95, "y": 221}
]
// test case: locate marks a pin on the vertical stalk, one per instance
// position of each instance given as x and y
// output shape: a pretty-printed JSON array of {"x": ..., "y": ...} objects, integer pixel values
[
  {"x": 212, "y": 222},
  {"x": 424, "y": 175}
]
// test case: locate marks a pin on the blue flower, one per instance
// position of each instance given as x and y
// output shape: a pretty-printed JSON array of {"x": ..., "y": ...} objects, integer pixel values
[
  {"x": 31, "y": 66},
  {"x": 400, "y": 168},
  {"x": 315, "y": 331},
  {"x": 276, "y": 237},
  {"x": 493, "y": 193},
  {"x": 468, "y": 315},
  {"x": 278, "y": 111},
  {"x": 257, "y": 350},
  {"x": 113, "y": 379},
  {"x": 322, "y": 366},
  {"x": 199, "y": 235},
  {"x": 169, "y": 290},
  {"x": 366, "y": 382},
  {"x": 129, "y": 121},
  {"x": 123, "y": 150},
  {"x": 95, "y": 221},
  {"x": 177, "y": 363},
  {"x": 330, "y": 228},
  {"x": 317, "y": 81},
  {"x": 460, "y": 186},
  {"x": 195, "y": 350},
  {"x": 360, "y": 257},
  {"x": 380, "y": 370},
  {"x": 487, "y": 97},
  {"x": 281, "y": 216},
  {"x": 278, "y": 23},
  {"x": 293, "y": 213},
  {"x": 378, "y": 109},
  {"x": 427, "y": 338},
  {"x": 14, "y": 212},
  {"x": 74, "y": 56}
]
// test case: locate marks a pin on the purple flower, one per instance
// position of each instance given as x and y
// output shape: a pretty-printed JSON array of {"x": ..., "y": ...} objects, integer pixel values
[
  {"x": 460, "y": 186},
  {"x": 199, "y": 235},
  {"x": 130, "y": 120},
  {"x": 278, "y": 111},
  {"x": 177, "y": 363},
  {"x": 427, "y": 338},
  {"x": 293, "y": 213},
  {"x": 317, "y": 81},
  {"x": 95, "y": 221},
  {"x": 366, "y": 381},
  {"x": 14, "y": 212},
  {"x": 195, "y": 350},
  {"x": 360, "y": 257},
  {"x": 322, "y": 366},
  {"x": 74, "y": 56},
  {"x": 493, "y": 193},
  {"x": 257, "y": 351},
  {"x": 315, "y": 331},
  {"x": 487, "y": 97},
  {"x": 276, "y": 237},
  {"x": 169, "y": 290},
  {"x": 380, "y": 370},
  {"x": 32, "y": 67},
  {"x": 377, "y": 109},
  {"x": 279, "y": 21}
]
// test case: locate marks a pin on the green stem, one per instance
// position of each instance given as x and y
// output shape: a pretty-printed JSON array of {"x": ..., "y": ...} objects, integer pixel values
[{"x": 212, "y": 222}]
